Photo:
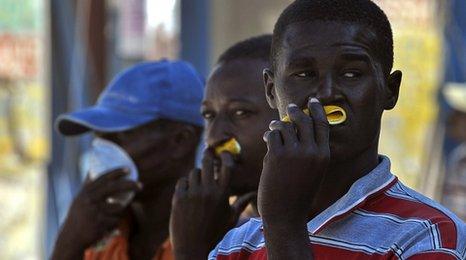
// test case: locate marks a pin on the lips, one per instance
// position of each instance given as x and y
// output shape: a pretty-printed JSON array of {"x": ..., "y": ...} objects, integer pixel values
[{"x": 335, "y": 115}]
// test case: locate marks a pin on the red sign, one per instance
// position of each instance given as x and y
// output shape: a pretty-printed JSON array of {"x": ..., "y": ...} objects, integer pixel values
[{"x": 18, "y": 56}]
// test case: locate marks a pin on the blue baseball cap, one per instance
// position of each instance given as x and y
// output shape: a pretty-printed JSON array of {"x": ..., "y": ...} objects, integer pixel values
[{"x": 145, "y": 92}]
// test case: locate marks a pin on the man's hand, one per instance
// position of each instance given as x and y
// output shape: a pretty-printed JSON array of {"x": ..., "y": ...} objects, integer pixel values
[
  {"x": 201, "y": 213},
  {"x": 296, "y": 161},
  {"x": 92, "y": 214}
]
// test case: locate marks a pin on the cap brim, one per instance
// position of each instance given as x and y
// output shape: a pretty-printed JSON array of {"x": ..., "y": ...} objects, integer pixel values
[{"x": 99, "y": 119}]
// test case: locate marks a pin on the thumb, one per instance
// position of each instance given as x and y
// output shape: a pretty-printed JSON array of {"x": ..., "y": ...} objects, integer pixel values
[{"x": 241, "y": 203}]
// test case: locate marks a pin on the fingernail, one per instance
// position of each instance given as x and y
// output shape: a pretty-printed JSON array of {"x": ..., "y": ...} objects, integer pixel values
[
  {"x": 139, "y": 184},
  {"x": 314, "y": 100},
  {"x": 292, "y": 105}
]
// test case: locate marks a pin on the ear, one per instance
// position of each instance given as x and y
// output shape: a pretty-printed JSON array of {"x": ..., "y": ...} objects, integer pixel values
[
  {"x": 393, "y": 91},
  {"x": 184, "y": 140},
  {"x": 270, "y": 88}
]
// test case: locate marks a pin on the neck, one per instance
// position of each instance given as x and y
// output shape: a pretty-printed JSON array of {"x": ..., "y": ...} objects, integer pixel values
[{"x": 340, "y": 176}]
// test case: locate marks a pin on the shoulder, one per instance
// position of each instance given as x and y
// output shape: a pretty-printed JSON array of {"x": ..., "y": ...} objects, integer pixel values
[
  {"x": 424, "y": 225},
  {"x": 246, "y": 239}
]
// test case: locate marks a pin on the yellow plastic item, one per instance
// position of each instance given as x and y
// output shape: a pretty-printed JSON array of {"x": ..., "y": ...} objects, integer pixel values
[
  {"x": 232, "y": 146},
  {"x": 335, "y": 115}
]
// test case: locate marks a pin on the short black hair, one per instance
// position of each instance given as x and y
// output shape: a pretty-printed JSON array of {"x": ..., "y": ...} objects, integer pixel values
[
  {"x": 362, "y": 12},
  {"x": 258, "y": 47}
]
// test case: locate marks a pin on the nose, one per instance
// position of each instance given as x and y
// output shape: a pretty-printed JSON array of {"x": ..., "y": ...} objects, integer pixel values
[
  {"x": 218, "y": 131},
  {"x": 327, "y": 91}
]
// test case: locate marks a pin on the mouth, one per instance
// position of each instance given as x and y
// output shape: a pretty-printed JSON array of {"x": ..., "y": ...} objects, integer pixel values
[
  {"x": 335, "y": 115},
  {"x": 231, "y": 146}
]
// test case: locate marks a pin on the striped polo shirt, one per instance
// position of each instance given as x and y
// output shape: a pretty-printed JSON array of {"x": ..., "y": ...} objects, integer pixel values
[{"x": 378, "y": 218}]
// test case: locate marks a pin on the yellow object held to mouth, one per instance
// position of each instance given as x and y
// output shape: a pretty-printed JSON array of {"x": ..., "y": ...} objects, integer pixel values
[
  {"x": 335, "y": 115},
  {"x": 232, "y": 146}
]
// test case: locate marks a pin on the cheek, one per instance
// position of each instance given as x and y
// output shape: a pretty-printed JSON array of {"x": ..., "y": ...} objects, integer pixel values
[
  {"x": 288, "y": 92},
  {"x": 366, "y": 102},
  {"x": 250, "y": 138},
  {"x": 144, "y": 151},
  {"x": 296, "y": 97},
  {"x": 149, "y": 164},
  {"x": 364, "y": 117}
]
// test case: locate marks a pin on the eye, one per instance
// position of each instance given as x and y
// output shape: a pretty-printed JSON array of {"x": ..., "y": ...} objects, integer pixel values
[
  {"x": 351, "y": 74},
  {"x": 241, "y": 113},
  {"x": 207, "y": 115},
  {"x": 305, "y": 74}
]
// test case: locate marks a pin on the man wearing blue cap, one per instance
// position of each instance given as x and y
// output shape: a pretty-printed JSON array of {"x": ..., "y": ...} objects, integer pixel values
[{"x": 151, "y": 111}]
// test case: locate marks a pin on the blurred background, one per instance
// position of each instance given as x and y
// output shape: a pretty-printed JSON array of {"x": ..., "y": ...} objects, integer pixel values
[{"x": 57, "y": 55}]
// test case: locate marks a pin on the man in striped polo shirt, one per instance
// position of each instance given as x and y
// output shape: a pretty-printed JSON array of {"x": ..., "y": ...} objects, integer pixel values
[{"x": 325, "y": 192}]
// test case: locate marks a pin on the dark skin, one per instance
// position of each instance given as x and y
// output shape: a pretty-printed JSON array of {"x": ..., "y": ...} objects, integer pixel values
[
  {"x": 320, "y": 63},
  {"x": 159, "y": 171},
  {"x": 234, "y": 106}
]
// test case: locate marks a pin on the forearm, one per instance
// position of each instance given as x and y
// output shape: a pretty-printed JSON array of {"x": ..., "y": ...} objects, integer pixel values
[{"x": 285, "y": 241}]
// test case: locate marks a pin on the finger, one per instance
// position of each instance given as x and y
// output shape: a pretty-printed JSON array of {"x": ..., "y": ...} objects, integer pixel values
[
  {"x": 194, "y": 180},
  {"x": 181, "y": 189},
  {"x": 115, "y": 187},
  {"x": 321, "y": 125},
  {"x": 287, "y": 131},
  {"x": 242, "y": 202},
  {"x": 108, "y": 177},
  {"x": 226, "y": 169},
  {"x": 273, "y": 140},
  {"x": 304, "y": 124},
  {"x": 207, "y": 173},
  {"x": 182, "y": 185}
]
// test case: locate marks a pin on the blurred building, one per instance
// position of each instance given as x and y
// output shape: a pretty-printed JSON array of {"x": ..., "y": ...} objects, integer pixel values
[{"x": 24, "y": 128}]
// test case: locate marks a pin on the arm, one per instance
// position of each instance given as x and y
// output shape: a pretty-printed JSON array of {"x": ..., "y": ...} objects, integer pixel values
[{"x": 296, "y": 161}]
